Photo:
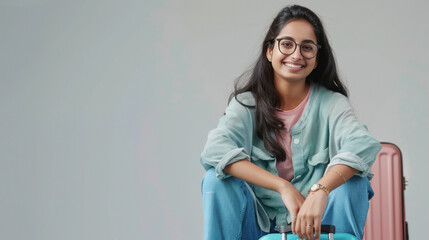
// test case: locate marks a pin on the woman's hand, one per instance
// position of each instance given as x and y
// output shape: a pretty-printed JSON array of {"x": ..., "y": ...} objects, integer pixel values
[
  {"x": 309, "y": 218},
  {"x": 293, "y": 201}
]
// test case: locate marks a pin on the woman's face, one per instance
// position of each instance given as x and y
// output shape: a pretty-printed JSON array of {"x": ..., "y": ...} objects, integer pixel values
[{"x": 293, "y": 67}]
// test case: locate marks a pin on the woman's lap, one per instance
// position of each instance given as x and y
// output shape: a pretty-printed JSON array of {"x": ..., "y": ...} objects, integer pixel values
[{"x": 229, "y": 210}]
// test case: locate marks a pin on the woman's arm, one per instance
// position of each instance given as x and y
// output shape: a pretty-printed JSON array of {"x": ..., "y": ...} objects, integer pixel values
[
  {"x": 336, "y": 176},
  {"x": 251, "y": 173},
  {"x": 231, "y": 140}
]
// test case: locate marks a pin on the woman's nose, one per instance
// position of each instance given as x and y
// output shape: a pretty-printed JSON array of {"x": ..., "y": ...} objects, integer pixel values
[{"x": 297, "y": 53}]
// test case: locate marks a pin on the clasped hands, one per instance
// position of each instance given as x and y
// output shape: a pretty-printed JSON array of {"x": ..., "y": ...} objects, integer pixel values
[{"x": 306, "y": 213}]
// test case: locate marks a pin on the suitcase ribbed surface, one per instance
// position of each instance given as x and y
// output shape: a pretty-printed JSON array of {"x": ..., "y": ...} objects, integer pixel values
[{"x": 386, "y": 212}]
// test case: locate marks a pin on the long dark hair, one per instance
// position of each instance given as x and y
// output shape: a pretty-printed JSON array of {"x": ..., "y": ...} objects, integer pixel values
[{"x": 260, "y": 79}]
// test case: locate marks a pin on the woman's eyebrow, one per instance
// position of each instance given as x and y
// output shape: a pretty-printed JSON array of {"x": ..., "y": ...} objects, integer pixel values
[
  {"x": 308, "y": 41},
  {"x": 291, "y": 38},
  {"x": 286, "y": 37}
]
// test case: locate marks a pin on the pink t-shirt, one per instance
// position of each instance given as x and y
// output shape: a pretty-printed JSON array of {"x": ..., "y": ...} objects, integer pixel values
[{"x": 289, "y": 118}]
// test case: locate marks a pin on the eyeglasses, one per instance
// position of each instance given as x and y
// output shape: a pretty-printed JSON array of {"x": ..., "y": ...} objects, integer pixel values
[{"x": 308, "y": 49}]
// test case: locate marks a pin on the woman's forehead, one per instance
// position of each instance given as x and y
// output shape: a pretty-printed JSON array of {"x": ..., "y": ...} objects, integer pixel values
[{"x": 299, "y": 30}]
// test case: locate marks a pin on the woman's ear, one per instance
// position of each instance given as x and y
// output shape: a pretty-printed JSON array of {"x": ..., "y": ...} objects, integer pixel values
[{"x": 269, "y": 54}]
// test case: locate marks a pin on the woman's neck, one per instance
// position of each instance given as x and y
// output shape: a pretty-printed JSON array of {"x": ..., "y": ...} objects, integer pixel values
[{"x": 291, "y": 93}]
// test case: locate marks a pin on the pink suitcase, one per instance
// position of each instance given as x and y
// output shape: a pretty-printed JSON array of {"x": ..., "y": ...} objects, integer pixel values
[{"x": 386, "y": 216}]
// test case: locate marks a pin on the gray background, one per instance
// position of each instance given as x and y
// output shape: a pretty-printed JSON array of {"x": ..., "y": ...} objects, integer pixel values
[{"x": 105, "y": 106}]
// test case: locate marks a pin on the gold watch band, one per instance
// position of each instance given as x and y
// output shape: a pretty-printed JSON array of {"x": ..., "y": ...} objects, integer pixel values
[
  {"x": 318, "y": 186},
  {"x": 324, "y": 188}
]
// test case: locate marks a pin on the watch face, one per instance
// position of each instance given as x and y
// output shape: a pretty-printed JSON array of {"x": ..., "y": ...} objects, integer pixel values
[{"x": 314, "y": 187}]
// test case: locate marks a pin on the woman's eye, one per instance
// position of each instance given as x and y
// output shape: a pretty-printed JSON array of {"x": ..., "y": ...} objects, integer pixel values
[
  {"x": 307, "y": 47},
  {"x": 287, "y": 44}
]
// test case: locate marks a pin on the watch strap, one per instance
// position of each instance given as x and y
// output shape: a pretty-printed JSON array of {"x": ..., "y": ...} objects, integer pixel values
[
  {"x": 324, "y": 188},
  {"x": 319, "y": 186}
]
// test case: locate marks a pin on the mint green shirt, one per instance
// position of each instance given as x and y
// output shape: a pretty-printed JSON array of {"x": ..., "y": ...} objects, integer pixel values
[{"x": 327, "y": 134}]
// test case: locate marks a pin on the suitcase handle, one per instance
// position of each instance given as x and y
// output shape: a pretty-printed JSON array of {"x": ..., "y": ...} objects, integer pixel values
[
  {"x": 324, "y": 228},
  {"x": 330, "y": 229}
]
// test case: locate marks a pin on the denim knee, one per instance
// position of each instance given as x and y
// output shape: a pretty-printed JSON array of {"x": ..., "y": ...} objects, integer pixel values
[
  {"x": 355, "y": 188},
  {"x": 348, "y": 206},
  {"x": 228, "y": 209},
  {"x": 209, "y": 180},
  {"x": 211, "y": 183}
]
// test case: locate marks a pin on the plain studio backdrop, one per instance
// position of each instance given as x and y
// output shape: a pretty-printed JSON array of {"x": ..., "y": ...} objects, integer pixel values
[{"x": 106, "y": 105}]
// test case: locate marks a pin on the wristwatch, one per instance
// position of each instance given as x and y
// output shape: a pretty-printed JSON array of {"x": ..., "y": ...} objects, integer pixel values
[{"x": 317, "y": 187}]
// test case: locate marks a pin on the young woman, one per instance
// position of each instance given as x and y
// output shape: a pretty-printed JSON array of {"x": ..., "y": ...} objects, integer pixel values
[{"x": 289, "y": 148}]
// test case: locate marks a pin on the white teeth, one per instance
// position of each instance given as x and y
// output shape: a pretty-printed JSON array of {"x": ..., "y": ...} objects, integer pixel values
[{"x": 293, "y": 65}]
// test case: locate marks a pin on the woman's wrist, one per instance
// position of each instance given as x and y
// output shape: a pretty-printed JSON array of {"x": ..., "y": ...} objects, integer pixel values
[
  {"x": 283, "y": 186},
  {"x": 318, "y": 195}
]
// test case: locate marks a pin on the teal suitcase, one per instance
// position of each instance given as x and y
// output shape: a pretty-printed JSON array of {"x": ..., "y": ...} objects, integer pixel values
[{"x": 328, "y": 234}]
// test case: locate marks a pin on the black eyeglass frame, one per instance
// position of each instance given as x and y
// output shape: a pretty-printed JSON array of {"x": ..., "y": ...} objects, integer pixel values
[{"x": 296, "y": 45}]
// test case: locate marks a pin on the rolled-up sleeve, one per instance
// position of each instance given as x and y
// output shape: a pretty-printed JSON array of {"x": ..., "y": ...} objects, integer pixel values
[
  {"x": 350, "y": 142},
  {"x": 230, "y": 141}
]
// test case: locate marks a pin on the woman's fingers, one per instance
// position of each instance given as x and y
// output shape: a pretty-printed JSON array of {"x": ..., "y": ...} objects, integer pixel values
[
  {"x": 300, "y": 226},
  {"x": 304, "y": 227},
  {"x": 310, "y": 215},
  {"x": 295, "y": 227},
  {"x": 294, "y": 218},
  {"x": 317, "y": 228},
  {"x": 293, "y": 222},
  {"x": 309, "y": 231},
  {"x": 307, "y": 226},
  {"x": 293, "y": 201},
  {"x": 297, "y": 230}
]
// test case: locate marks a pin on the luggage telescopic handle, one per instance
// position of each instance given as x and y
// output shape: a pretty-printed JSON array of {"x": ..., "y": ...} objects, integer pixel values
[
  {"x": 330, "y": 229},
  {"x": 324, "y": 228}
]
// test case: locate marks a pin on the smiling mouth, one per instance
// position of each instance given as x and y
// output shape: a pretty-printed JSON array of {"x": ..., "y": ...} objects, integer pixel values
[{"x": 293, "y": 65}]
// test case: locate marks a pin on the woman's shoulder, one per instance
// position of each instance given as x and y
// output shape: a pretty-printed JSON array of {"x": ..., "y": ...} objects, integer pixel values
[
  {"x": 331, "y": 102},
  {"x": 242, "y": 106},
  {"x": 246, "y": 99},
  {"x": 326, "y": 100},
  {"x": 326, "y": 95}
]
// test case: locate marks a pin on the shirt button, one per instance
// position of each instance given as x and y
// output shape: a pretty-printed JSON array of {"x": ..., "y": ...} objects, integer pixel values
[{"x": 296, "y": 141}]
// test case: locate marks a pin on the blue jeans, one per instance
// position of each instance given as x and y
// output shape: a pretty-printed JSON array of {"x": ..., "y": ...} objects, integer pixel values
[{"x": 229, "y": 211}]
